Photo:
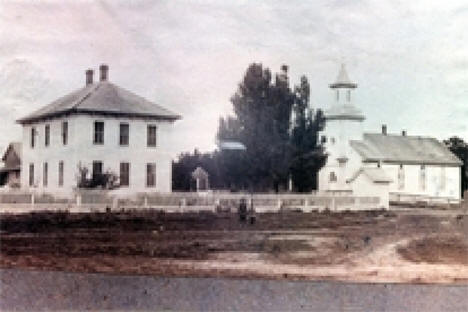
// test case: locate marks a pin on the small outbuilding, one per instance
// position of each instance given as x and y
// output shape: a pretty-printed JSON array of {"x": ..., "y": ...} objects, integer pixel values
[
  {"x": 10, "y": 173},
  {"x": 201, "y": 178}
]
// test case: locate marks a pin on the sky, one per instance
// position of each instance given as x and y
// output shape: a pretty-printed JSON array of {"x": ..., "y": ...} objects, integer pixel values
[{"x": 409, "y": 58}]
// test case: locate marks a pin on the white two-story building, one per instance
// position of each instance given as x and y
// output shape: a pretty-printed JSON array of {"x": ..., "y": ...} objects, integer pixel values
[
  {"x": 377, "y": 164},
  {"x": 104, "y": 128}
]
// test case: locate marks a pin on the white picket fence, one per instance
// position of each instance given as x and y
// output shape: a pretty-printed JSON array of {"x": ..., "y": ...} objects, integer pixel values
[
  {"x": 415, "y": 199},
  {"x": 20, "y": 202}
]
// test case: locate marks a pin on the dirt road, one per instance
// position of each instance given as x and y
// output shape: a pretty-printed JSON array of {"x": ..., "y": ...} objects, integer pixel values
[{"x": 376, "y": 246}]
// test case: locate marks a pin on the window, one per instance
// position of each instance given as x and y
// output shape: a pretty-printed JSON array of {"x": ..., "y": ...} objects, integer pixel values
[
  {"x": 422, "y": 178},
  {"x": 401, "y": 177},
  {"x": 31, "y": 174},
  {"x": 64, "y": 133},
  {"x": 333, "y": 177},
  {"x": 337, "y": 95},
  {"x": 33, "y": 137},
  {"x": 151, "y": 175},
  {"x": 45, "y": 174},
  {"x": 124, "y": 133},
  {"x": 97, "y": 169},
  {"x": 124, "y": 174},
  {"x": 60, "y": 173},
  {"x": 151, "y": 136},
  {"x": 443, "y": 179},
  {"x": 348, "y": 95},
  {"x": 47, "y": 135},
  {"x": 98, "y": 132}
]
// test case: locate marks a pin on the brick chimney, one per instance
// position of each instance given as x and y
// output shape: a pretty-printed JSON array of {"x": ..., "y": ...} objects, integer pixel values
[
  {"x": 89, "y": 77},
  {"x": 384, "y": 129},
  {"x": 103, "y": 72}
]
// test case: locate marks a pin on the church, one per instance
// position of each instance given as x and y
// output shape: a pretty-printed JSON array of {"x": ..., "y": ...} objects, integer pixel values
[{"x": 379, "y": 164}]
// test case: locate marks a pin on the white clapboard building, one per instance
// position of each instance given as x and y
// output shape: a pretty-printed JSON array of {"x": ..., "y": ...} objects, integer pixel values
[
  {"x": 370, "y": 164},
  {"x": 104, "y": 128}
]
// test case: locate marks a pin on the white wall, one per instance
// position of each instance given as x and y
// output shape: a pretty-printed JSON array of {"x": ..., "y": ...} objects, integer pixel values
[
  {"x": 342, "y": 131},
  {"x": 80, "y": 148},
  {"x": 434, "y": 184},
  {"x": 363, "y": 186}
]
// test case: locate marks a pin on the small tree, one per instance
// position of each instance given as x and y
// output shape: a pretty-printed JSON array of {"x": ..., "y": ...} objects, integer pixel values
[
  {"x": 460, "y": 148},
  {"x": 107, "y": 180}
]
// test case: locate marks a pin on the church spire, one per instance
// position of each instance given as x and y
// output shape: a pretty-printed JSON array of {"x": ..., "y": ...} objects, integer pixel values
[{"x": 343, "y": 81}]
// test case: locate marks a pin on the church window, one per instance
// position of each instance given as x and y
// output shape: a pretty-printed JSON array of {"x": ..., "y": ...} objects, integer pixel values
[
  {"x": 422, "y": 178},
  {"x": 333, "y": 177},
  {"x": 401, "y": 178},
  {"x": 442, "y": 178}
]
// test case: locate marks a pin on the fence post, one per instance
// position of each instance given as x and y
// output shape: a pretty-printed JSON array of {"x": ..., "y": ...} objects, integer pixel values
[
  {"x": 78, "y": 200},
  {"x": 183, "y": 204},
  {"x": 279, "y": 204}
]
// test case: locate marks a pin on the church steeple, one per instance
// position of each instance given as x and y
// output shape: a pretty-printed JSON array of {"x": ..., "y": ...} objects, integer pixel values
[
  {"x": 343, "y": 81},
  {"x": 343, "y": 107}
]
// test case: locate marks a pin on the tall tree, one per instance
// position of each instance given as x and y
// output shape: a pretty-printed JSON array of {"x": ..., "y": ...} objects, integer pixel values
[
  {"x": 460, "y": 149},
  {"x": 308, "y": 155},
  {"x": 262, "y": 111}
]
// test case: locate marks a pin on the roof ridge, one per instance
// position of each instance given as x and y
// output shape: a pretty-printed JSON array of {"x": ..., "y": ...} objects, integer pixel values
[{"x": 84, "y": 97}]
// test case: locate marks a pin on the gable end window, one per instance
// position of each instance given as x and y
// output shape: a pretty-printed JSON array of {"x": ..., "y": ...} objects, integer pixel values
[
  {"x": 47, "y": 135},
  {"x": 151, "y": 136},
  {"x": 401, "y": 177},
  {"x": 98, "y": 132},
  {"x": 124, "y": 133},
  {"x": 422, "y": 178}
]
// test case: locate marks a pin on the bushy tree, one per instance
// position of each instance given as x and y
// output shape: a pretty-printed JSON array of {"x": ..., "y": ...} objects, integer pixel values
[
  {"x": 106, "y": 180},
  {"x": 186, "y": 163},
  {"x": 460, "y": 149},
  {"x": 262, "y": 109},
  {"x": 307, "y": 153}
]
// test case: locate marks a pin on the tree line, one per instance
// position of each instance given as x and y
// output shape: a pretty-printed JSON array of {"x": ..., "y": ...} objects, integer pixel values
[{"x": 280, "y": 133}]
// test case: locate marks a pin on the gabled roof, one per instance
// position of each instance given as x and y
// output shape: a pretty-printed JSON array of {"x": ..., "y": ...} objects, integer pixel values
[
  {"x": 404, "y": 149},
  {"x": 343, "y": 81},
  {"x": 15, "y": 147},
  {"x": 199, "y": 173},
  {"x": 101, "y": 98},
  {"x": 376, "y": 175}
]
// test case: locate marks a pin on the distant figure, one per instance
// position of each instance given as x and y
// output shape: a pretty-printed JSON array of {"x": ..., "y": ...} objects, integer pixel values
[
  {"x": 252, "y": 216},
  {"x": 242, "y": 210}
]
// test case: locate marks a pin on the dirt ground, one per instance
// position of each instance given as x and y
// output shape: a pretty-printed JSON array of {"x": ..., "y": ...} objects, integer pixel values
[{"x": 423, "y": 246}]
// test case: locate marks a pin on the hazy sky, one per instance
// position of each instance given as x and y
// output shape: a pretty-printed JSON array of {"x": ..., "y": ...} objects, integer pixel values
[{"x": 410, "y": 58}]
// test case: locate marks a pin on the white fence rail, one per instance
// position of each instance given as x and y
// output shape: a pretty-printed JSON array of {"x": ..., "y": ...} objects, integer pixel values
[
  {"x": 181, "y": 202},
  {"x": 415, "y": 199}
]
